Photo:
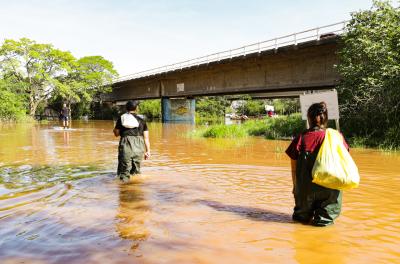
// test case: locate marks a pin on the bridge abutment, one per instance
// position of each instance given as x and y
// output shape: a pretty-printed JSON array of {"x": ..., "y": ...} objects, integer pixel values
[{"x": 178, "y": 109}]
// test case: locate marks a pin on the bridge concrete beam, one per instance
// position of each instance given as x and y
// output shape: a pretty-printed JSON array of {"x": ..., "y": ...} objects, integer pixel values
[{"x": 309, "y": 66}]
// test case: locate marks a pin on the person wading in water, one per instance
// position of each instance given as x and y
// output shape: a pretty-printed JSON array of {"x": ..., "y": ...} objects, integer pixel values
[
  {"x": 134, "y": 143},
  {"x": 313, "y": 203},
  {"x": 64, "y": 115}
]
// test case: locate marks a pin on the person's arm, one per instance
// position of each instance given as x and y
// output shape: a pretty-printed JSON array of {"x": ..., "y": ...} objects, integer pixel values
[
  {"x": 293, "y": 152},
  {"x": 117, "y": 127},
  {"x": 116, "y": 132},
  {"x": 293, "y": 164},
  {"x": 147, "y": 144}
]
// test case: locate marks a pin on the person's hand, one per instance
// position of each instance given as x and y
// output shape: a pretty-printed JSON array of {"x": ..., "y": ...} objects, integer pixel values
[{"x": 147, "y": 155}]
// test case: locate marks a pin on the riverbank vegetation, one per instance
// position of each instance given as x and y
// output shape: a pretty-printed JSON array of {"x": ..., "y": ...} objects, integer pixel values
[
  {"x": 12, "y": 105},
  {"x": 280, "y": 127},
  {"x": 34, "y": 76},
  {"x": 151, "y": 109},
  {"x": 369, "y": 91}
]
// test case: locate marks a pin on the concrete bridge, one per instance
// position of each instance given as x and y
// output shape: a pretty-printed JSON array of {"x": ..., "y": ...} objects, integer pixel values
[{"x": 280, "y": 67}]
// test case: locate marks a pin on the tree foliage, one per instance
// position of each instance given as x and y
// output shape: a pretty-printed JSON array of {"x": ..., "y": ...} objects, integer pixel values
[
  {"x": 369, "y": 91},
  {"x": 150, "y": 108},
  {"x": 286, "y": 106},
  {"x": 252, "y": 107},
  {"x": 40, "y": 71},
  {"x": 89, "y": 77},
  {"x": 211, "y": 106},
  {"x": 35, "y": 67},
  {"x": 11, "y": 105}
]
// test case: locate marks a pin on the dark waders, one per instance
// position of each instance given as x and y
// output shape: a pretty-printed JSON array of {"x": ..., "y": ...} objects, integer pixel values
[
  {"x": 130, "y": 154},
  {"x": 313, "y": 202}
]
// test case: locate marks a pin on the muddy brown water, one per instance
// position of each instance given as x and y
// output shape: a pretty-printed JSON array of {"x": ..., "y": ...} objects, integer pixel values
[{"x": 198, "y": 201}]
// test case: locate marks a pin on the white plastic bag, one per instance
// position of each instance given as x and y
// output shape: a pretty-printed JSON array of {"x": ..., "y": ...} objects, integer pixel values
[{"x": 129, "y": 121}]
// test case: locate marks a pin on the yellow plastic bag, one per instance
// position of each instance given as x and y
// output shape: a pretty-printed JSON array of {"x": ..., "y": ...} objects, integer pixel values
[{"x": 334, "y": 168}]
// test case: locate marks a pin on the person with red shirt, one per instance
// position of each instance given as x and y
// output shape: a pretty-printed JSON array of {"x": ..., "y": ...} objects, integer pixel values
[{"x": 314, "y": 204}]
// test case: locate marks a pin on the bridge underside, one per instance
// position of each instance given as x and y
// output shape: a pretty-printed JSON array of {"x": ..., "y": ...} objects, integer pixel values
[{"x": 284, "y": 72}]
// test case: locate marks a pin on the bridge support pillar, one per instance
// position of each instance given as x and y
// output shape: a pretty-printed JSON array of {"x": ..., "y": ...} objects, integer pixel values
[{"x": 178, "y": 110}]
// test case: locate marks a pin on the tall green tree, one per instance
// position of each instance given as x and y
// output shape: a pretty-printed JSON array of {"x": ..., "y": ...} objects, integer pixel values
[
  {"x": 369, "y": 91},
  {"x": 89, "y": 78},
  {"x": 11, "y": 105},
  {"x": 34, "y": 68},
  {"x": 40, "y": 71}
]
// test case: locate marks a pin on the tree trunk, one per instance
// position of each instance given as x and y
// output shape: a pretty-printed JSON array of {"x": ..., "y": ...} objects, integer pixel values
[
  {"x": 33, "y": 104},
  {"x": 32, "y": 109}
]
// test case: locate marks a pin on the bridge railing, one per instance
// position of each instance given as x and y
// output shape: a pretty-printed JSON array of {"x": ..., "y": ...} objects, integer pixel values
[{"x": 275, "y": 43}]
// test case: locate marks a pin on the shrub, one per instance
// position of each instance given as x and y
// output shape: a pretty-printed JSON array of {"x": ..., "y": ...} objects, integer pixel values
[
  {"x": 225, "y": 131},
  {"x": 285, "y": 126},
  {"x": 11, "y": 104},
  {"x": 150, "y": 108}
]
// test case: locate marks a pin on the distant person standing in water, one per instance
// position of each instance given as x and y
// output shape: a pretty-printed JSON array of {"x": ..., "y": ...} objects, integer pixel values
[
  {"x": 64, "y": 114},
  {"x": 314, "y": 204},
  {"x": 134, "y": 143}
]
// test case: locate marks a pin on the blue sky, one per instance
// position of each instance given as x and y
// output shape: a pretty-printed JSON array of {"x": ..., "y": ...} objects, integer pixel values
[{"x": 139, "y": 35}]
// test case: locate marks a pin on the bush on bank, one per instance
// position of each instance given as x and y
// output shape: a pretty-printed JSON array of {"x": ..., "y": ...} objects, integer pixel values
[
  {"x": 150, "y": 108},
  {"x": 11, "y": 105}
]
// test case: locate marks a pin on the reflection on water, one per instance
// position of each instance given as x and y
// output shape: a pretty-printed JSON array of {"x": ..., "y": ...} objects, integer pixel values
[
  {"x": 132, "y": 213},
  {"x": 199, "y": 201}
]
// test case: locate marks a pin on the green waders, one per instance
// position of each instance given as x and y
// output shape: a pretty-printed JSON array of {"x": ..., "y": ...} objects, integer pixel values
[
  {"x": 130, "y": 154},
  {"x": 313, "y": 202}
]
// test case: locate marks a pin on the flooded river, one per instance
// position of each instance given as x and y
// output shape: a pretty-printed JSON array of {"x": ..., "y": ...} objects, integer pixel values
[{"x": 199, "y": 201}]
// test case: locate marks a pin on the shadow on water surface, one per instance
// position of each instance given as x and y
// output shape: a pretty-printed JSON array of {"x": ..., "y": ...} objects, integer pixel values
[{"x": 251, "y": 213}]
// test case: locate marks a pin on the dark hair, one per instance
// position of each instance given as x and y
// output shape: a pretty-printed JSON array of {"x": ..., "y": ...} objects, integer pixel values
[
  {"x": 131, "y": 105},
  {"x": 318, "y": 115}
]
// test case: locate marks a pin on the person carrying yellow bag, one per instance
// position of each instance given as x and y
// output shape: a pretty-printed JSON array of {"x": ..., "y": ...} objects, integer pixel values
[{"x": 314, "y": 203}]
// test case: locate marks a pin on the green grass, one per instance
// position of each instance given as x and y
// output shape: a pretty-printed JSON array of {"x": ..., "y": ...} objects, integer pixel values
[
  {"x": 224, "y": 131},
  {"x": 271, "y": 128}
]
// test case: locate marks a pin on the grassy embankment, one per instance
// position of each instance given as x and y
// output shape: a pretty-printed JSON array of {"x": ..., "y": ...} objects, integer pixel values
[
  {"x": 284, "y": 127},
  {"x": 271, "y": 128}
]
